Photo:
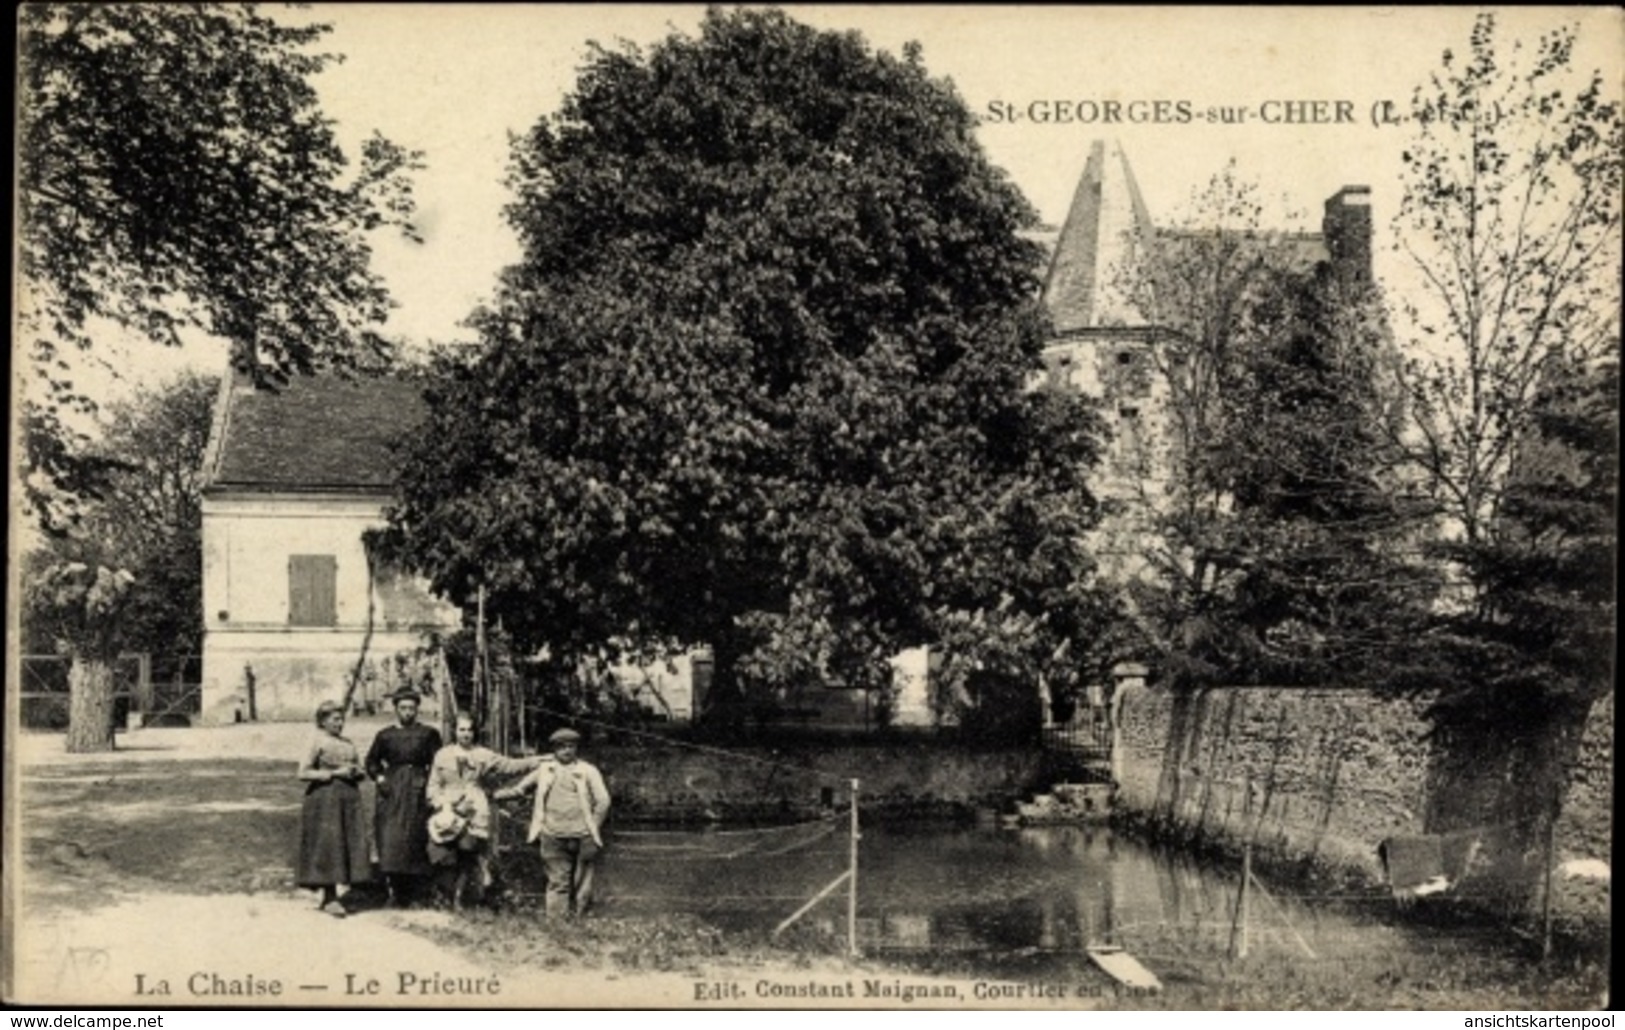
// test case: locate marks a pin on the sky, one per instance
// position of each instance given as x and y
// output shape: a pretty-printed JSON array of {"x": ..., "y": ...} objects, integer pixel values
[{"x": 455, "y": 81}]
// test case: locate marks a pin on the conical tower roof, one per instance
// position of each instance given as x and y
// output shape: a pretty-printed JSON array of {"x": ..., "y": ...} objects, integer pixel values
[{"x": 1098, "y": 240}]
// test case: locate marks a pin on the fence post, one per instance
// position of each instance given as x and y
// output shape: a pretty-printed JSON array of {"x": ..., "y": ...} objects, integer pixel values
[
  {"x": 1238, "y": 925},
  {"x": 1546, "y": 892},
  {"x": 852, "y": 881}
]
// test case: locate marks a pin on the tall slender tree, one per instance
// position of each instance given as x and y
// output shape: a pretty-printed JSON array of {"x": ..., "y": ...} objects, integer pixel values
[
  {"x": 1511, "y": 224},
  {"x": 1510, "y": 221}
]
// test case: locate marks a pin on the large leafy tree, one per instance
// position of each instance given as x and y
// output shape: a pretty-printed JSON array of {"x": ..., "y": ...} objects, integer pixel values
[
  {"x": 176, "y": 173},
  {"x": 759, "y": 380},
  {"x": 128, "y": 575}
]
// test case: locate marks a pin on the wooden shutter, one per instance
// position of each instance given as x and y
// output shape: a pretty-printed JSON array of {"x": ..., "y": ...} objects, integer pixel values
[{"x": 312, "y": 590}]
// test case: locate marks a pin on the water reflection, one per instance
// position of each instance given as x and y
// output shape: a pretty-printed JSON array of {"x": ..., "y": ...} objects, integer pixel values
[{"x": 959, "y": 889}]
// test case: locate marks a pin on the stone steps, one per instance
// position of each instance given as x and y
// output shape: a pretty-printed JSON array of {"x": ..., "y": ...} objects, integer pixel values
[{"x": 1068, "y": 803}]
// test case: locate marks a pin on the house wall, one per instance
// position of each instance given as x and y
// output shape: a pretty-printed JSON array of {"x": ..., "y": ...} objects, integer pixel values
[
  {"x": 664, "y": 688},
  {"x": 1120, "y": 369},
  {"x": 248, "y": 540}
]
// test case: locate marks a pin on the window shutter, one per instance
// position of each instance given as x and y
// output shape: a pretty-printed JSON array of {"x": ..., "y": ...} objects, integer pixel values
[{"x": 312, "y": 590}]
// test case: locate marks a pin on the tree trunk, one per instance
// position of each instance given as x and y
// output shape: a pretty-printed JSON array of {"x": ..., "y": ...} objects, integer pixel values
[
  {"x": 726, "y": 704},
  {"x": 90, "y": 705}
]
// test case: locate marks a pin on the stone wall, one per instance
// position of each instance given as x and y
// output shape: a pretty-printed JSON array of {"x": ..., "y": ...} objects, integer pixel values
[
  {"x": 1327, "y": 775},
  {"x": 1584, "y": 835},
  {"x": 912, "y": 776}
]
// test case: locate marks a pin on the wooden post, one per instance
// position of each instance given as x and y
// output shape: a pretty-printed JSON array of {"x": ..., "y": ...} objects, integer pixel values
[
  {"x": 852, "y": 881},
  {"x": 1114, "y": 710},
  {"x": 815, "y": 899},
  {"x": 478, "y": 699},
  {"x": 448, "y": 697},
  {"x": 524, "y": 716},
  {"x": 1238, "y": 924},
  {"x": 1246, "y": 889},
  {"x": 1285, "y": 920},
  {"x": 1546, "y": 895}
]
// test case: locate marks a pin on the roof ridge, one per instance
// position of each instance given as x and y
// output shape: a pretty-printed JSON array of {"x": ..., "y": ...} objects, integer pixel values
[{"x": 219, "y": 426}]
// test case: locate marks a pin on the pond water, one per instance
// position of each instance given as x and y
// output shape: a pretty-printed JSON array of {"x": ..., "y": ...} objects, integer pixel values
[{"x": 977, "y": 899}]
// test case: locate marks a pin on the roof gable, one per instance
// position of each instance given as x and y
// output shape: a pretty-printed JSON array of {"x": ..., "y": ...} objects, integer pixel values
[
  {"x": 1108, "y": 223},
  {"x": 317, "y": 433}
]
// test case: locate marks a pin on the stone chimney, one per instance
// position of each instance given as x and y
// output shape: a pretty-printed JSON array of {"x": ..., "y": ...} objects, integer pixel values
[{"x": 1347, "y": 229}]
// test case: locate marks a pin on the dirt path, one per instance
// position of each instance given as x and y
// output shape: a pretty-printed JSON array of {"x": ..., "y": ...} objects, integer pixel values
[
  {"x": 176, "y": 949},
  {"x": 151, "y": 875},
  {"x": 269, "y": 740}
]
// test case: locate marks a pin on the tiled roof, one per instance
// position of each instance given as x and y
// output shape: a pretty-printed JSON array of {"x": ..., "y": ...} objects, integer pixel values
[{"x": 316, "y": 433}]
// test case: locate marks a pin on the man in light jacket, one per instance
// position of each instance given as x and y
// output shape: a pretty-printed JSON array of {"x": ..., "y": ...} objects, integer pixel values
[{"x": 571, "y": 803}]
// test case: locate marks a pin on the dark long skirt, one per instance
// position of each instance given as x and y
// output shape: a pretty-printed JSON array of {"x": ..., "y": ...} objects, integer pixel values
[
  {"x": 332, "y": 838},
  {"x": 403, "y": 823}
]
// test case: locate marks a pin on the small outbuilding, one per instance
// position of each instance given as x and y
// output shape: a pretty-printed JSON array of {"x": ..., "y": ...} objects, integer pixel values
[{"x": 293, "y": 479}]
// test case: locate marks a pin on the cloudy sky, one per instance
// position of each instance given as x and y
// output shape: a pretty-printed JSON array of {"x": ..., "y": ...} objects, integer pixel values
[{"x": 455, "y": 81}]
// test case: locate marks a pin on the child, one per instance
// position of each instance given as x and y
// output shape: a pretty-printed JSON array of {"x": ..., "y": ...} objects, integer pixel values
[{"x": 460, "y": 829}]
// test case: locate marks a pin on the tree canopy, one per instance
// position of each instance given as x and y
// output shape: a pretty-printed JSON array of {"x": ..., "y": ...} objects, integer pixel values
[
  {"x": 1543, "y": 631},
  {"x": 1281, "y": 543},
  {"x": 175, "y": 171},
  {"x": 760, "y": 379},
  {"x": 147, "y": 523},
  {"x": 1511, "y": 219}
]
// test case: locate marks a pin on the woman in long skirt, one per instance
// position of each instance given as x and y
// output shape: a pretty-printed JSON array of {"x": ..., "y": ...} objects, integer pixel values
[
  {"x": 399, "y": 761},
  {"x": 332, "y": 837}
]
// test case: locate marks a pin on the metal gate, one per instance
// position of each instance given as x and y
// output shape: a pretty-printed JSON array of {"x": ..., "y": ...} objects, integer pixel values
[{"x": 142, "y": 695}]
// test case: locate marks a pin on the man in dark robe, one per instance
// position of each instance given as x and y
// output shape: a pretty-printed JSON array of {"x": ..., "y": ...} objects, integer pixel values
[{"x": 399, "y": 763}]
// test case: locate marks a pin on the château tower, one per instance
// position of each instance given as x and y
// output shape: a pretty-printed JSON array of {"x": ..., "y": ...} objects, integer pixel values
[{"x": 1105, "y": 347}]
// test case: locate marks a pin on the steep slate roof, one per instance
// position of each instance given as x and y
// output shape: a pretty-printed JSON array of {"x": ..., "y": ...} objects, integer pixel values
[
  {"x": 1107, "y": 217},
  {"x": 318, "y": 433}
]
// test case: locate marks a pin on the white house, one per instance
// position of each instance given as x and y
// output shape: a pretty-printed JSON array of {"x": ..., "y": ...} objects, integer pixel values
[{"x": 293, "y": 478}]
